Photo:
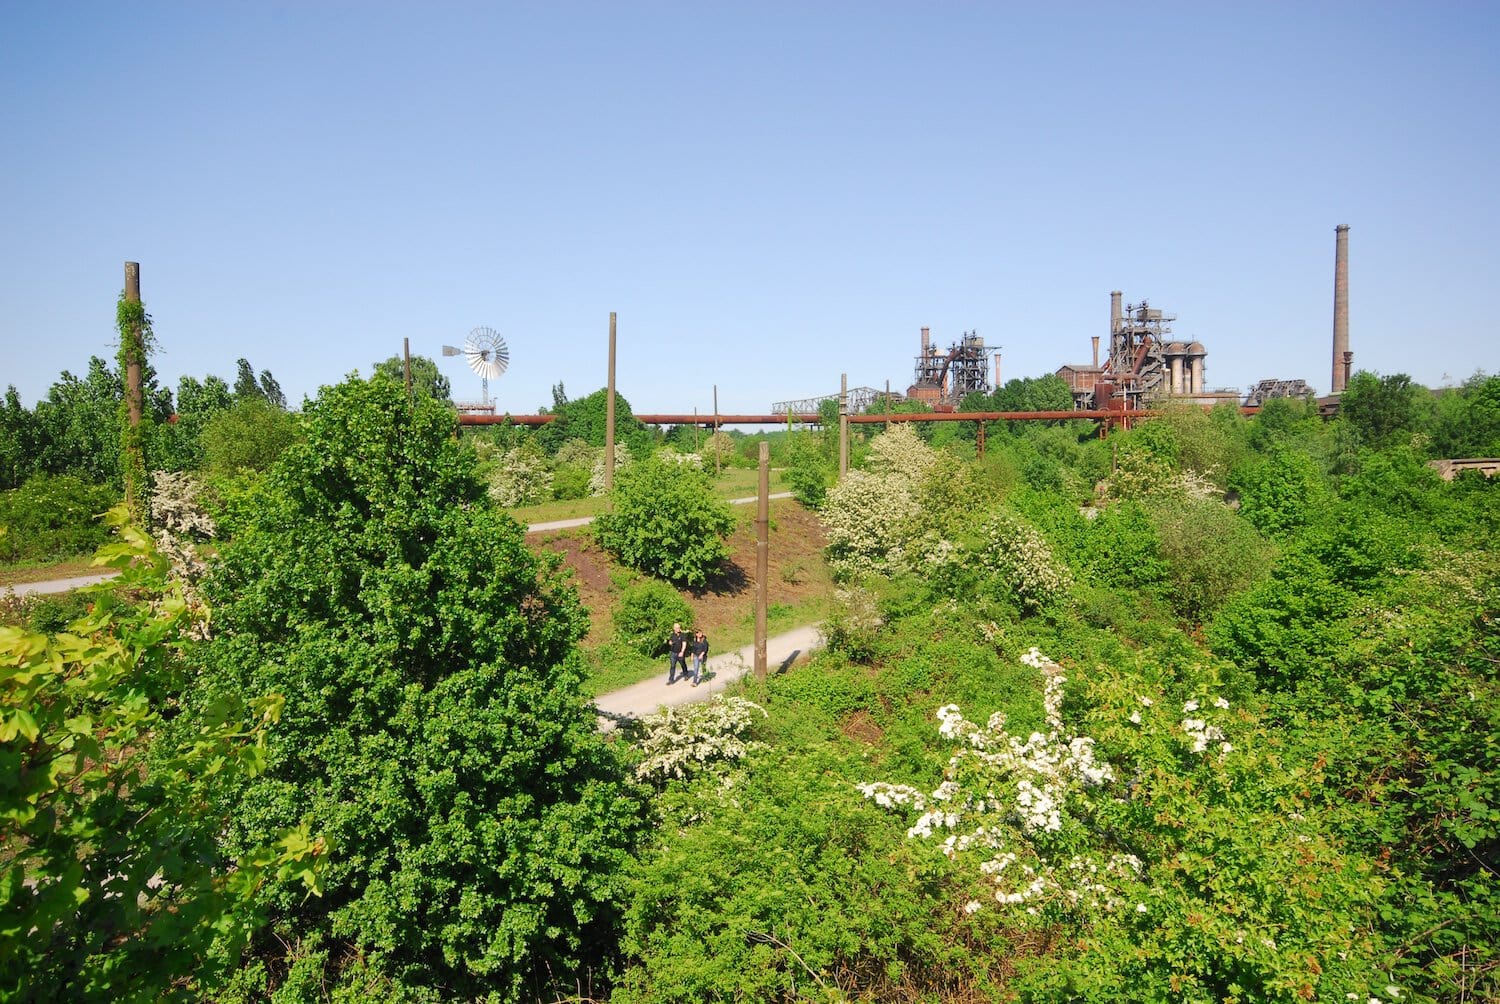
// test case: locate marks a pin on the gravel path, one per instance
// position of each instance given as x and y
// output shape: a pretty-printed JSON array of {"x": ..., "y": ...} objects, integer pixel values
[{"x": 721, "y": 670}]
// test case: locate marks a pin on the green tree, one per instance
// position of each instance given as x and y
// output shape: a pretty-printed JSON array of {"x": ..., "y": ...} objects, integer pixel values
[
  {"x": 20, "y": 441},
  {"x": 1282, "y": 493},
  {"x": 246, "y": 387},
  {"x": 1381, "y": 409},
  {"x": 426, "y": 378},
  {"x": 587, "y": 419},
  {"x": 1467, "y": 419},
  {"x": 115, "y": 887},
  {"x": 664, "y": 521},
  {"x": 249, "y": 436},
  {"x": 435, "y": 726},
  {"x": 270, "y": 389}
]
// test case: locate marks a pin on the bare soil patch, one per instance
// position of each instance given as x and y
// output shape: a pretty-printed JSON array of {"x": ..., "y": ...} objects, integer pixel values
[{"x": 797, "y": 573}]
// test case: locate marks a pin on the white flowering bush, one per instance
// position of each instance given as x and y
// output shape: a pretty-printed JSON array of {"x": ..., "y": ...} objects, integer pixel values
[
  {"x": 853, "y": 625},
  {"x": 1020, "y": 562},
  {"x": 1008, "y": 800},
  {"x": 181, "y": 527},
  {"x": 520, "y": 476},
  {"x": 900, "y": 451},
  {"x": 577, "y": 453},
  {"x": 1184, "y": 861},
  {"x": 596, "y": 478},
  {"x": 865, "y": 515},
  {"x": 681, "y": 742},
  {"x": 668, "y": 455}
]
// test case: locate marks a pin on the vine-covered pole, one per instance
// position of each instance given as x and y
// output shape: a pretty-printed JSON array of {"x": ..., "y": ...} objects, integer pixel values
[
  {"x": 609, "y": 413},
  {"x": 762, "y": 557},
  {"x": 131, "y": 320}
]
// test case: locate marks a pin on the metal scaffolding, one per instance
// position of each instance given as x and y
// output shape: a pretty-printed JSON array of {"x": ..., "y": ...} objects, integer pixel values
[
  {"x": 946, "y": 378},
  {"x": 861, "y": 399}
]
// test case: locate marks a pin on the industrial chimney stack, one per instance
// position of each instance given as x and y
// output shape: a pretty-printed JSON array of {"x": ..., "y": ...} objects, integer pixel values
[{"x": 1341, "y": 354}]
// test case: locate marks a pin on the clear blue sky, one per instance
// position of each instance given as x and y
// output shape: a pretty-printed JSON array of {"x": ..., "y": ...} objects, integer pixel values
[{"x": 768, "y": 194}]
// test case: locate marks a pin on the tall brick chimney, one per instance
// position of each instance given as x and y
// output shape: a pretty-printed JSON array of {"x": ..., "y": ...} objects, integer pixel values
[{"x": 1340, "y": 305}]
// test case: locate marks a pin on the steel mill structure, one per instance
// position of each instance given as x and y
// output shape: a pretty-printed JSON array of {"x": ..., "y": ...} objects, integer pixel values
[
  {"x": 1144, "y": 365},
  {"x": 942, "y": 379}
]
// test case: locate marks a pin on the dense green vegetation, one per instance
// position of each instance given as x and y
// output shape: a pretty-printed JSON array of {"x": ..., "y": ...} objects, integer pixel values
[{"x": 1203, "y": 711}]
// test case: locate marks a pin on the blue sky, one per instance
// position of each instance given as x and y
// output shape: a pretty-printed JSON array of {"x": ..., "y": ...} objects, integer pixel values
[{"x": 768, "y": 194}]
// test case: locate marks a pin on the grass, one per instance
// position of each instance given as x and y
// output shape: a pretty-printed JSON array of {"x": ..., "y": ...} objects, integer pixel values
[{"x": 732, "y": 483}]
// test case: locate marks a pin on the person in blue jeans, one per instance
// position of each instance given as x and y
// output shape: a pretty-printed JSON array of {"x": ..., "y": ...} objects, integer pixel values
[
  {"x": 700, "y": 655},
  {"x": 677, "y": 649}
]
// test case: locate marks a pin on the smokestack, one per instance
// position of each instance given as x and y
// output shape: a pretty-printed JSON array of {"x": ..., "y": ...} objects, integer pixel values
[
  {"x": 1096, "y": 352},
  {"x": 1340, "y": 305},
  {"x": 997, "y": 371},
  {"x": 1115, "y": 313},
  {"x": 924, "y": 341}
]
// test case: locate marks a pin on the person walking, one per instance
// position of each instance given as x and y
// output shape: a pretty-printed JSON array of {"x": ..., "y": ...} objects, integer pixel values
[
  {"x": 700, "y": 656},
  {"x": 677, "y": 648}
]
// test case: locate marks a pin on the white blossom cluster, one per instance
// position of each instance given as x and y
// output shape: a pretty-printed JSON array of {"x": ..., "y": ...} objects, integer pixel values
[
  {"x": 520, "y": 477},
  {"x": 667, "y": 455},
  {"x": 680, "y": 742},
  {"x": 180, "y": 525},
  {"x": 596, "y": 479},
  {"x": 577, "y": 453},
  {"x": 900, "y": 451},
  {"x": 1003, "y": 796},
  {"x": 866, "y": 516},
  {"x": 1200, "y": 733},
  {"x": 1019, "y": 556}
]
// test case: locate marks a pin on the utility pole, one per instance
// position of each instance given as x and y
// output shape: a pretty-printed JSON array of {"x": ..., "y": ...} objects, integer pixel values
[
  {"x": 762, "y": 557},
  {"x": 133, "y": 350},
  {"x": 406, "y": 358},
  {"x": 609, "y": 413},
  {"x": 843, "y": 425}
]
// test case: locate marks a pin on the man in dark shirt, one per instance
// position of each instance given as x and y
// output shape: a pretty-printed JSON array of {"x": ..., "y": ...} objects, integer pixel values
[
  {"x": 699, "y": 649},
  {"x": 677, "y": 647}
]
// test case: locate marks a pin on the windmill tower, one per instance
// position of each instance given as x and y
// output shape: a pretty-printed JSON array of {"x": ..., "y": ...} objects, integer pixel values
[{"x": 487, "y": 355}]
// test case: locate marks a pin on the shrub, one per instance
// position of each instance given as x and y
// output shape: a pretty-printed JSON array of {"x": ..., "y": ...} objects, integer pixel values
[
  {"x": 664, "y": 521},
  {"x": 53, "y": 516},
  {"x": 520, "y": 477},
  {"x": 864, "y": 515},
  {"x": 681, "y": 742},
  {"x": 250, "y": 435},
  {"x": 1210, "y": 553},
  {"x": 569, "y": 482},
  {"x": 116, "y": 887},
  {"x": 1019, "y": 562},
  {"x": 435, "y": 727},
  {"x": 645, "y": 614}
]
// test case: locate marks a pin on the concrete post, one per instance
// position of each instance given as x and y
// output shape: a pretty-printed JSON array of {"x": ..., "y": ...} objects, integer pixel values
[{"x": 843, "y": 425}]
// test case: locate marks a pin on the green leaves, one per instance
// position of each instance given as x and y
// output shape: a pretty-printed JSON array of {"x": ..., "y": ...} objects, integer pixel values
[
  {"x": 433, "y": 727},
  {"x": 664, "y": 521},
  {"x": 114, "y": 887}
]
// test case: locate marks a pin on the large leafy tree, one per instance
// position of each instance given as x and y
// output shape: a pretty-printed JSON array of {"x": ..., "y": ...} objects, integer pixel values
[
  {"x": 434, "y": 726},
  {"x": 587, "y": 419},
  {"x": 20, "y": 441},
  {"x": 1381, "y": 409},
  {"x": 426, "y": 378}
]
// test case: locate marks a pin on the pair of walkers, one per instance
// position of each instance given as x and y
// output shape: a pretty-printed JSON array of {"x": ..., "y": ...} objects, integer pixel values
[{"x": 680, "y": 645}]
